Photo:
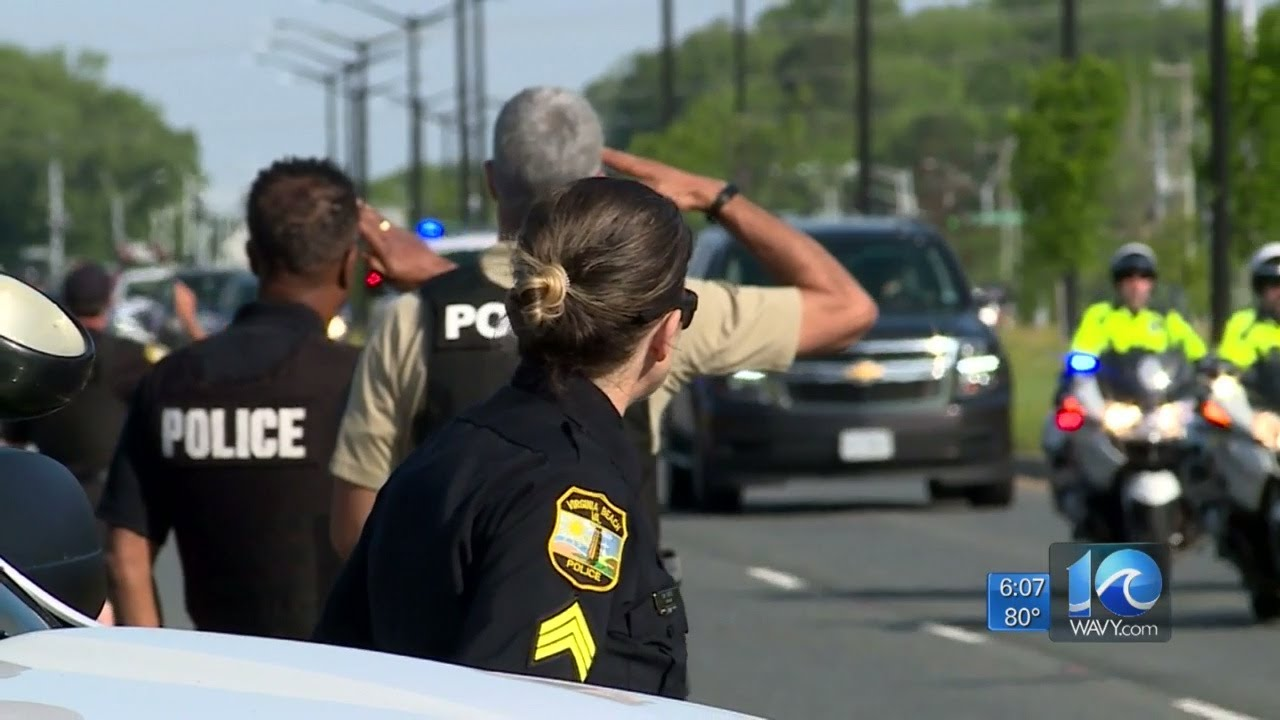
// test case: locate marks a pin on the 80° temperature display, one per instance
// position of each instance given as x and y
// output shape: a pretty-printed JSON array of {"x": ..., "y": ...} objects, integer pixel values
[{"x": 1018, "y": 602}]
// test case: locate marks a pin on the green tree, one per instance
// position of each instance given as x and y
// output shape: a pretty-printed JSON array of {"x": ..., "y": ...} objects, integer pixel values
[
  {"x": 108, "y": 139},
  {"x": 1067, "y": 138}
]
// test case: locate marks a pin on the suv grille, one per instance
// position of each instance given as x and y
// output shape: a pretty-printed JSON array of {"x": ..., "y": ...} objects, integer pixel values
[{"x": 909, "y": 370}]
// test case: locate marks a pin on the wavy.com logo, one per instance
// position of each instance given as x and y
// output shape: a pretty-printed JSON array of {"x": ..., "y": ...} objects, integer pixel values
[{"x": 1127, "y": 583}]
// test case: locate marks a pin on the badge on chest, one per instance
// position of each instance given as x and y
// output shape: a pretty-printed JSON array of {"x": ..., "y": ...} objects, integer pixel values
[{"x": 587, "y": 540}]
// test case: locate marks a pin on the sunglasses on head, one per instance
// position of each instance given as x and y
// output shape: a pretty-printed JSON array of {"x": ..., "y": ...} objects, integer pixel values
[{"x": 686, "y": 302}]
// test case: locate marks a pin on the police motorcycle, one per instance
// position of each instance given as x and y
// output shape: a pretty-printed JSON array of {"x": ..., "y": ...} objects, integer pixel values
[
  {"x": 1116, "y": 443},
  {"x": 1239, "y": 433}
]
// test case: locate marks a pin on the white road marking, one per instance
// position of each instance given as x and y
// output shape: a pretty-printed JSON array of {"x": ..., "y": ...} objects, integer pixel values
[
  {"x": 776, "y": 578},
  {"x": 952, "y": 632},
  {"x": 1209, "y": 711}
]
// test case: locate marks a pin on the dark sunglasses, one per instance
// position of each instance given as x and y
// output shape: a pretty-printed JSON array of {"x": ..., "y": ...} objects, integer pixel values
[{"x": 686, "y": 303}]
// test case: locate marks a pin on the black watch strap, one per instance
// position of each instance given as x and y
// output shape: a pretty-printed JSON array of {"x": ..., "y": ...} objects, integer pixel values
[{"x": 727, "y": 193}]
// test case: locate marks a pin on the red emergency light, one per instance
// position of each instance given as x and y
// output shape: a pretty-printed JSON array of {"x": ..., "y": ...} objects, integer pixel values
[
  {"x": 373, "y": 279},
  {"x": 1069, "y": 417}
]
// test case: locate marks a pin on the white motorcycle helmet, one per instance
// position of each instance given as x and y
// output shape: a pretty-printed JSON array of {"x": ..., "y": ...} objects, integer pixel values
[{"x": 1264, "y": 266}]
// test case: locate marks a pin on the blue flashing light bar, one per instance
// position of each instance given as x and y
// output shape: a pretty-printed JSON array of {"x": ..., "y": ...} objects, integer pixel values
[
  {"x": 1082, "y": 363},
  {"x": 430, "y": 229}
]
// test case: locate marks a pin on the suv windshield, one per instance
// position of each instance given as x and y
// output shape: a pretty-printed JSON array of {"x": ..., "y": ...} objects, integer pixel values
[{"x": 901, "y": 274}]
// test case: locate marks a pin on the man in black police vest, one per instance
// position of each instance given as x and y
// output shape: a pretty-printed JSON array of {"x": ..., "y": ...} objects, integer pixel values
[
  {"x": 228, "y": 441},
  {"x": 444, "y": 347}
]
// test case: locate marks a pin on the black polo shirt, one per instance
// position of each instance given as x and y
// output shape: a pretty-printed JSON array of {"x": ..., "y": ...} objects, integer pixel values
[
  {"x": 513, "y": 541},
  {"x": 227, "y": 445}
]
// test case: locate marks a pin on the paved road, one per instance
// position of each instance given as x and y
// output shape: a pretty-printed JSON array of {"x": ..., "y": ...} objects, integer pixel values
[{"x": 877, "y": 609}]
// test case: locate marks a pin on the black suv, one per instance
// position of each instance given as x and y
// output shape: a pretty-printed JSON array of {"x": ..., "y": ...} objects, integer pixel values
[{"x": 924, "y": 395}]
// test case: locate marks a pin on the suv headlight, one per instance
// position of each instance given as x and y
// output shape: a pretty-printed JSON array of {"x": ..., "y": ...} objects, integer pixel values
[
  {"x": 977, "y": 367},
  {"x": 756, "y": 386}
]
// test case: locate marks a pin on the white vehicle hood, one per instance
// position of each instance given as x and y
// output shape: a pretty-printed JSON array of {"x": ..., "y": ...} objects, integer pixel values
[{"x": 141, "y": 674}]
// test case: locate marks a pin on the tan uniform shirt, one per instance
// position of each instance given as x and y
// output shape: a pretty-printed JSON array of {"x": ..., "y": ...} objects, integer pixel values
[{"x": 735, "y": 328}]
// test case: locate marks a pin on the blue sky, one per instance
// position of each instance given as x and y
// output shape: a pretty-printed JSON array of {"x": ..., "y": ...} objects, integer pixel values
[{"x": 195, "y": 60}]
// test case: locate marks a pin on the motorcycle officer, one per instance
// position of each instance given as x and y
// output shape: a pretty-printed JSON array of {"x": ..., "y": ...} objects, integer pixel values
[
  {"x": 1123, "y": 324},
  {"x": 1128, "y": 322},
  {"x": 1253, "y": 333}
]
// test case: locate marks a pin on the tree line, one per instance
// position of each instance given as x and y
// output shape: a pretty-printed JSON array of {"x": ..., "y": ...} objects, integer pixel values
[{"x": 109, "y": 141}]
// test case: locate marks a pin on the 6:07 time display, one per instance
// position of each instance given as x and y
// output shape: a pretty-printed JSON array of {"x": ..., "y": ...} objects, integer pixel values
[{"x": 1018, "y": 602}]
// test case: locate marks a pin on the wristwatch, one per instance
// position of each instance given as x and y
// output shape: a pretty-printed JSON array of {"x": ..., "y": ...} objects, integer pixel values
[{"x": 727, "y": 193}]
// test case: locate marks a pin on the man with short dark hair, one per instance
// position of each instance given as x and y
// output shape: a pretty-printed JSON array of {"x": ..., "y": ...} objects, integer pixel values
[{"x": 228, "y": 441}]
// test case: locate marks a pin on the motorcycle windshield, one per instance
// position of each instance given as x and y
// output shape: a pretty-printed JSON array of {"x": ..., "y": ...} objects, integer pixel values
[{"x": 1143, "y": 378}]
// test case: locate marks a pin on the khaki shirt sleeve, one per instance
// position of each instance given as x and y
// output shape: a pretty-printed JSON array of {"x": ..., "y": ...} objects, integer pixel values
[
  {"x": 387, "y": 392},
  {"x": 736, "y": 327}
]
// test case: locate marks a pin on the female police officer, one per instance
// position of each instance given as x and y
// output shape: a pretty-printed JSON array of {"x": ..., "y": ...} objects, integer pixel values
[{"x": 508, "y": 541}]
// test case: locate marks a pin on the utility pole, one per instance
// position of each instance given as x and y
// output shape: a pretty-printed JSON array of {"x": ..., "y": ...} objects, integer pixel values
[
  {"x": 356, "y": 81},
  {"x": 57, "y": 223},
  {"x": 1070, "y": 282},
  {"x": 461, "y": 80},
  {"x": 1219, "y": 107},
  {"x": 329, "y": 80},
  {"x": 667, "y": 77},
  {"x": 1180, "y": 172},
  {"x": 740, "y": 56},
  {"x": 412, "y": 27},
  {"x": 862, "y": 108},
  {"x": 479, "y": 92}
]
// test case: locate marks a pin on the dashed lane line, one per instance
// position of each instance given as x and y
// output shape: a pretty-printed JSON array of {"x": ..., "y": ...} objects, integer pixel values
[{"x": 777, "y": 578}]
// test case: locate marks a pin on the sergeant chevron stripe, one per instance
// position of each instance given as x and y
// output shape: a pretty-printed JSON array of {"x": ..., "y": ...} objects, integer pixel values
[{"x": 567, "y": 632}]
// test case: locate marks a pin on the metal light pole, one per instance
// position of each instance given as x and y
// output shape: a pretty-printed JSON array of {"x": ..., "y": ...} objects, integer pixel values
[
  {"x": 740, "y": 55},
  {"x": 463, "y": 116},
  {"x": 357, "y": 82},
  {"x": 863, "y": 106},
  {"x": 411, "y": 26},
  {"x": 1220, "y": 109},
  {"x": 479, "y": 91},
  {"x": 1070, "y": 283},
  {"x": 667, "y": 91}
]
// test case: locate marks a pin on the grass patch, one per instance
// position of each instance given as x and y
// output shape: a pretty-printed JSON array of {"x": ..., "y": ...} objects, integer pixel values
[{"x": 1035, "y": 360}]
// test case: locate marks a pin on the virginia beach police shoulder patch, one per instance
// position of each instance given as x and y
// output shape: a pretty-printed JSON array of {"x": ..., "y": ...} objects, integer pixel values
[{"x": 586, "y": 543}]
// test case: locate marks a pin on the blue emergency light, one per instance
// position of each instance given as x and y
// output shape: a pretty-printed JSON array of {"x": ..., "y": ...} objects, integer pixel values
[
  {"x": 430, "y": 229},
  {"x": 1080, "y": 363}
]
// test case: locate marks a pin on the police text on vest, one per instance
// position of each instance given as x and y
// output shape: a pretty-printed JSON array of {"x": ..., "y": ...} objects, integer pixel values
[
  {"x": 490, "y": 320},
  {"x": 239, "y": 434}
]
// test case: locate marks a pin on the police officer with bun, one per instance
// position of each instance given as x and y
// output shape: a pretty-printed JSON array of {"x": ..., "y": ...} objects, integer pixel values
[
  {"x": 228, "y": 440},
  {"x": 513, "y": 539}
]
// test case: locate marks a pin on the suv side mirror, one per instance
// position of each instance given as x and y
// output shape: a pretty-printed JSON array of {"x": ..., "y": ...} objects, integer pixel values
[{"x": 47, "y": 528}]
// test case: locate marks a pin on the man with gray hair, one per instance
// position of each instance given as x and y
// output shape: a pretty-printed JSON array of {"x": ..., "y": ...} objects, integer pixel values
[{"x": 543, "y": 138}]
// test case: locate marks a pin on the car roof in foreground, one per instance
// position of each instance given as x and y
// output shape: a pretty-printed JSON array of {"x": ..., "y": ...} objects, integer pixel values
[{"x": 145, "y": 674}]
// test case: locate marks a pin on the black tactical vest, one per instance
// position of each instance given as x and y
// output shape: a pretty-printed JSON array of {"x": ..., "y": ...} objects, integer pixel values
[
  {"x": 466, "y": 363},
  {"x": 469, "y": 349}
]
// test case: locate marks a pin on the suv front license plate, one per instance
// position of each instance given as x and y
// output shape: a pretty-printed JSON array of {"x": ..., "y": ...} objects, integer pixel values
[{"x": 866, "y": 445}]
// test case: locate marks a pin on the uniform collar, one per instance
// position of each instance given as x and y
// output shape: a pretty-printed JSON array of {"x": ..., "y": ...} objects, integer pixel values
[
  {"x": 586, "y": 405},
  {"x": 273, "y": 312}
]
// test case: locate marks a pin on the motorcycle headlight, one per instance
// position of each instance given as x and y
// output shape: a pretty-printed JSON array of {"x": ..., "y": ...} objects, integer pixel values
[
  {"x": 1121, "y": 418},
  {"x": 1266, "y": 430},
  {"x": 977, "y": 367},
  {"x": 1170, "y": 420}
]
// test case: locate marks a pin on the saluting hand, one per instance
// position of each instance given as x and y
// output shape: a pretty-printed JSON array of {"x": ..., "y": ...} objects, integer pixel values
[
  {"x": 688, "y": 191},
  {"x": 398, "y": 254}
]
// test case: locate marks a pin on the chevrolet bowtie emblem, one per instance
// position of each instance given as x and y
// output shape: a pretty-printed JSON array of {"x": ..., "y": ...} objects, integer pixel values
[{"x": 865, "y": 371}]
